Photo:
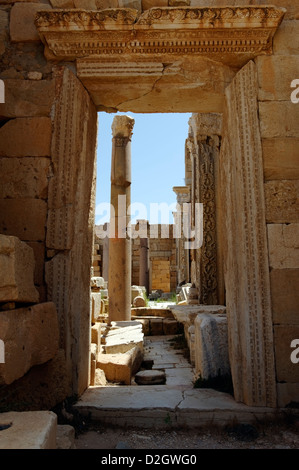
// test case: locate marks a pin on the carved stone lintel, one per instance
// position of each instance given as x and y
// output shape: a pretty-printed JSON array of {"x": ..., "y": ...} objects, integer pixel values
[{"x": 183, "y": 31}]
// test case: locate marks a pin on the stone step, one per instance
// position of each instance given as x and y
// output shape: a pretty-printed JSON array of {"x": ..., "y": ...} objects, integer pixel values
[{"x": 162, "y": 406}]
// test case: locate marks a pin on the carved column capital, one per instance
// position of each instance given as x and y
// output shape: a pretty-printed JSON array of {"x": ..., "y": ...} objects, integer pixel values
[{"x": 122, "y": 127}]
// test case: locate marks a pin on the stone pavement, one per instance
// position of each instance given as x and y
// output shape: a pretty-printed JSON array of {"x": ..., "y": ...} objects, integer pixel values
[
  {"x": 174, "y": 404},
  {"x": 178, "y": 370}
]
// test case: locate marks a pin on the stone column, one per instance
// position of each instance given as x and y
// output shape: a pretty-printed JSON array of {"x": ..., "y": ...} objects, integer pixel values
[
  {"x": 105, "y": 260},
  {"x": 183, "y": 196},
  {"x": 143, "y": 256},
  {"x": 119, "y": 276}
]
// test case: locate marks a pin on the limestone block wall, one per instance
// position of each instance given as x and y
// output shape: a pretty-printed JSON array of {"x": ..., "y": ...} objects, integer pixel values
[
  {"x": 279, "y": 118},
  {"x": 47, "y": 150},
  {"x": 97, "y": 258},
  {"x": 162, "y": 255},
  {"x": 135, "y": 261}
]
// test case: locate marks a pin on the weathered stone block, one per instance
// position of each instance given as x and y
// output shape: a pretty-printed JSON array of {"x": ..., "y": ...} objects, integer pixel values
[
  {"x": 135, "y": 4},
  {"x": 211, "y": 345},
  {"x": 281, "y": 158},
  {"x": 4, "y": 22},
  {"x": 123, "y": 345},
  {"x": 150, "y": 377},
  {"x": 170, "y": 326},
  {"x": 285, "y": 295},
  {"x": 96, "y": 333},
  {"x": 147, "y": 4},
  {"x": 86, "y": 4},
  {"x": 145, "y": 322},
  {"x": 97, "y": 282},
  {"x": 62, "y": 3},
  {"x": 286, "y": 370},
  {"x": 22, "y": 27},
  {"x": 120, "y": 367},
  {"x": 283, "y": 243},
  {"x": 278, "y": 119},
  {"x": 286, "y": 40},
  {"x": 103, "y": 4},
  {"x": 282, "y": 201},
  {"x": 30, "y": 337},
  {"x": 16, "y": 271},
  {"x": 41, "y": 388},
  {"x": 24, "y": 177},
  {"x": 282, "y": 70},
  {"x": 156, "y": 326},
  {"x": 29, "y": 430},
  {"x": 97, "y": 307},
  {"x": 23, "y": 218},
  {"x": 26, "y": 137},
  {"x": 27, "y": 98},
  {"x": 65, "y": 437},
  {"x": 139, "y": 301}
]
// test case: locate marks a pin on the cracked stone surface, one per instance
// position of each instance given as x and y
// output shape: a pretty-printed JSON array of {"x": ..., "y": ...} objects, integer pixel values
[{"x": 174, "y": 404}]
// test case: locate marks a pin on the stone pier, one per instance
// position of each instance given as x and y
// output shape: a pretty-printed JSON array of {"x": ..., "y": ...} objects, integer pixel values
[{"x": 119, "y": 276}]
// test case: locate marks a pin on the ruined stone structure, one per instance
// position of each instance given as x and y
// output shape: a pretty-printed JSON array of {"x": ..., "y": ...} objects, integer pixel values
[
  {"x": 61, "y": 66},
  {"x": 154, "y": 257}
]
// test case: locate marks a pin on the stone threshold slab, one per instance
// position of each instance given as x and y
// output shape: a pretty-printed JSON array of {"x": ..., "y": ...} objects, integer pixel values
[
  {"x": 28, "y": 430},
  {"x": 164, "y": 407}
]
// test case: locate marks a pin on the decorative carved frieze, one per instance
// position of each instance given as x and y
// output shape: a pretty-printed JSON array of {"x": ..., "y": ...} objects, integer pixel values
[
  {"x": 168, "y": 31},
  {"x": 83, "y": 20}
]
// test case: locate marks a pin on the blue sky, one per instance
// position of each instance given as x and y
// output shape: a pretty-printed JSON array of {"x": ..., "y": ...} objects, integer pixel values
[{"x": 158, "y": 162}]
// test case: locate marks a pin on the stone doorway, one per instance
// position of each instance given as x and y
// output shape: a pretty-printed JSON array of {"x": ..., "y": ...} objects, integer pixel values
[{"x": 160, "y": 81}]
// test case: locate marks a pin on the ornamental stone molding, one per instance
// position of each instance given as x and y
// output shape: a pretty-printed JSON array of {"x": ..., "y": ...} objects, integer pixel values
[{"x": 160, "y": 32}]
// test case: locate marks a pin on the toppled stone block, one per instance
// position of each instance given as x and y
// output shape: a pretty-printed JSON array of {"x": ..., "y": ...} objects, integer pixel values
[
  {"x": 30, "y": 336},
  {"x": 16, "y": 271},
  {"x": 123, "y": 340},
  {"x": 139, "y": 301},
  {"x": 121, "y": 336},
  {"x": 211, "y": 345},
  {"x": 29, "y": 430},
  {"x": 121, "y": 367}
]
